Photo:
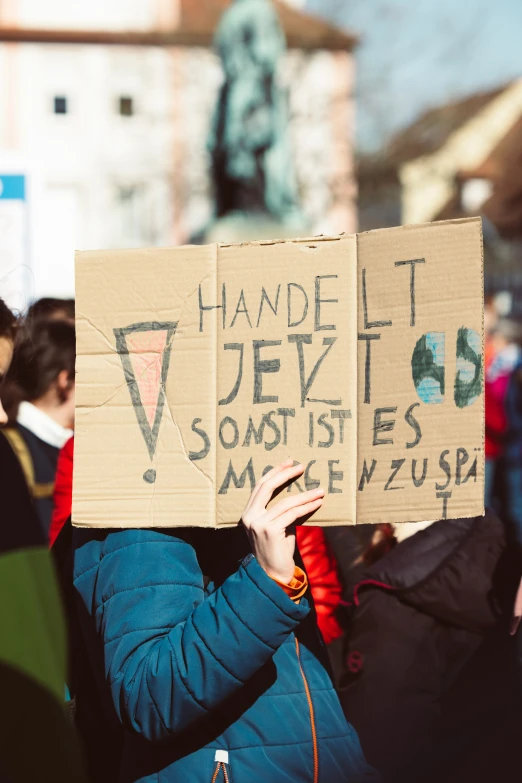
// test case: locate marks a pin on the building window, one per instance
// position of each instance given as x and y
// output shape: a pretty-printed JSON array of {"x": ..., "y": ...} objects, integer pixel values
[
  {"x": 60, "y": 104},
  {"x": 132, "y": 216},
  {"x": 126, "y": 106}
]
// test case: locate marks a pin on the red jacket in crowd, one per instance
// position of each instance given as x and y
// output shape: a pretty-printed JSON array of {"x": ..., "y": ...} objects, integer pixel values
[
  {"x": 323, "y": 576},
  {"x": 62, "y": 491}
]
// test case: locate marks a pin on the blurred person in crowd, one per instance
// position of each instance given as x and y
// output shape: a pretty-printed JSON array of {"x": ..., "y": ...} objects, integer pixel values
[
  {"x": 36, "y": 740},
  {"x": 41, "y": 380},
  {"x": 207, "y": 643},
  {"x": 51, "y": 309},
  {"x": 430, "y": 682},
  {"x": 506, "y": 354},
  {"x": 510, "y": 478},
  {"x": 490, "y": 324}
]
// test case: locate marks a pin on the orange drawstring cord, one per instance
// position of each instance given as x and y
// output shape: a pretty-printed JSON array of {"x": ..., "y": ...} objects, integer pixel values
[
  {"x": 220, "y": 766},
  {"x": 312, "y": 716}
]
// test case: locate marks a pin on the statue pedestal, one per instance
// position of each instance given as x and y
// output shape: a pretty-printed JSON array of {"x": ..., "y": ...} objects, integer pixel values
[{"x": 240, "y": 227}]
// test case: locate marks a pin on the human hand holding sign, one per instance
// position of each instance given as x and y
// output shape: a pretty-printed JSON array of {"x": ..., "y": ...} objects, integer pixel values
[{"x": 271, "y": 531}]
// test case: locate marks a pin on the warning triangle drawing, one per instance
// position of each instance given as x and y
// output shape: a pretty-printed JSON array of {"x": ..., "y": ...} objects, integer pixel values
[{"x": 144, "y": 350}]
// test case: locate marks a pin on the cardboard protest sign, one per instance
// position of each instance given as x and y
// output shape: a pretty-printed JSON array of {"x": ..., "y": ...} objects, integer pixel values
[{"x": 361, "y": 356}]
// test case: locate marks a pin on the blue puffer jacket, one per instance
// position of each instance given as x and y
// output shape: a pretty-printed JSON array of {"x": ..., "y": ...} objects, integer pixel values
[{"x": 203, "y": 652}]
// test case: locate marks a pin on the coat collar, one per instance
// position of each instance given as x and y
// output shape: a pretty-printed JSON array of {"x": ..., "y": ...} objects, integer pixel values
[{"x": 41, "y": 425}]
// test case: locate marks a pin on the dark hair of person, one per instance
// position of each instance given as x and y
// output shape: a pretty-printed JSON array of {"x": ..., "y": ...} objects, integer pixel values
[
  {"x": 49, "y": 308},
  {"x": 43, "y": 351},
  {"x": 8, "y": 322}
]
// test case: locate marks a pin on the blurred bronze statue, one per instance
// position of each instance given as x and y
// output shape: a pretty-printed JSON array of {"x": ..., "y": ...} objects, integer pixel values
[{"x": 249, "y": 142}]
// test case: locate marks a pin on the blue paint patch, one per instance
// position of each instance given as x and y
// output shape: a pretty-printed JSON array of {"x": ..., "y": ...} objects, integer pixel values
[
  {"x": 429, "y": 391},
  {"x": 427, "y": 366},
  {"x": 12, "y": 187},
  {"x": 435, "y": 342}
]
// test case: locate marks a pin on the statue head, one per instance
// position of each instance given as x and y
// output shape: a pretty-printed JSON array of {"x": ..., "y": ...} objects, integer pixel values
[{"x": 249, "y": 36}]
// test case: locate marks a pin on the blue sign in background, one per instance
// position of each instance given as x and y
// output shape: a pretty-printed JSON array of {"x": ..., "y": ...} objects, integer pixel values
[{"x": 12, "y": 186}]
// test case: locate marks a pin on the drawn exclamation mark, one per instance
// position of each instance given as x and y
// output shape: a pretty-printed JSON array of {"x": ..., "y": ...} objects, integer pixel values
[{"x": 144, "y": 350}]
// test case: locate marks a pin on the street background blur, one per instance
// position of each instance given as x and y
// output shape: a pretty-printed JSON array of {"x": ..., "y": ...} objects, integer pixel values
[{"x": 399, "y": 112}]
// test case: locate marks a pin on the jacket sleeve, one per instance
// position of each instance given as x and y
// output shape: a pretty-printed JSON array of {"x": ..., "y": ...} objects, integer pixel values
[
  {"x": 323, "y": 575},
  {"x": 172, "y": 653}
]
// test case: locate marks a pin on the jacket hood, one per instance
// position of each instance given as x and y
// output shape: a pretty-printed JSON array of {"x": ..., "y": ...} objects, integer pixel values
[{"x": 455, "y": 570}]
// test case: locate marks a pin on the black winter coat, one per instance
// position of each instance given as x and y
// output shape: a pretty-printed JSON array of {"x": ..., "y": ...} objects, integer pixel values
[{"x": 430, "y": 684}]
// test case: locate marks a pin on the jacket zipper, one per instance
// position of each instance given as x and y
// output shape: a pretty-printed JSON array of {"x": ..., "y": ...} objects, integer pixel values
[
  {"x": 311, "y": 710},
  {"x": 220, "y": 766}
]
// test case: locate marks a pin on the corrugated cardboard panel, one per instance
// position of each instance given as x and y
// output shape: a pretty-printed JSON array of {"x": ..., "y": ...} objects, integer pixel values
[
  {"x": 420, "y": 388},
  {"x": 143, "y": 367},
  {"x": 290, "y": 326}
]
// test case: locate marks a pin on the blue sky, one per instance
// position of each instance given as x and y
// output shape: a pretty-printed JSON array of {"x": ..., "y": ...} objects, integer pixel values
[{"x": 420, "y": 53}]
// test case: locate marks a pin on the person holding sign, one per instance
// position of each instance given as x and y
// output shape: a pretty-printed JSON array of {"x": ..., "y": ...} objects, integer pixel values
[
  {"x": 209, "y": 646},
  {"x": 198, "y": 370}
]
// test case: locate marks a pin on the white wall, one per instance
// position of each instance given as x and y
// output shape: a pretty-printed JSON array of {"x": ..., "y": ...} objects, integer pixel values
[
  {"x": 106, "y": 178},
  {"x": 87, "y": 14},
  {"x": 320, "y": 86}
]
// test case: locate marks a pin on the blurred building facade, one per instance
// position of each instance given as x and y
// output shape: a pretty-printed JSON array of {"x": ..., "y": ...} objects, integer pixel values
[
  {"x": 460, "y": 159},
  {"x": 105, "y": 108}
]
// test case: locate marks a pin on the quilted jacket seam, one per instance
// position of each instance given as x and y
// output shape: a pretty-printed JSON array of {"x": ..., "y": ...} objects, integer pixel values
[
  {"x": 145, "y": 587},
  {"x": 138, "y": 630},
  {"x": 215, "y": 656},
  {"x": 265, "y": 644},
  {"x": 152, "y": 697},
  {"x": 126, "y": 693},
  {"x": 182, "y": 680},
  {"x": 121, "y": 674}
]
